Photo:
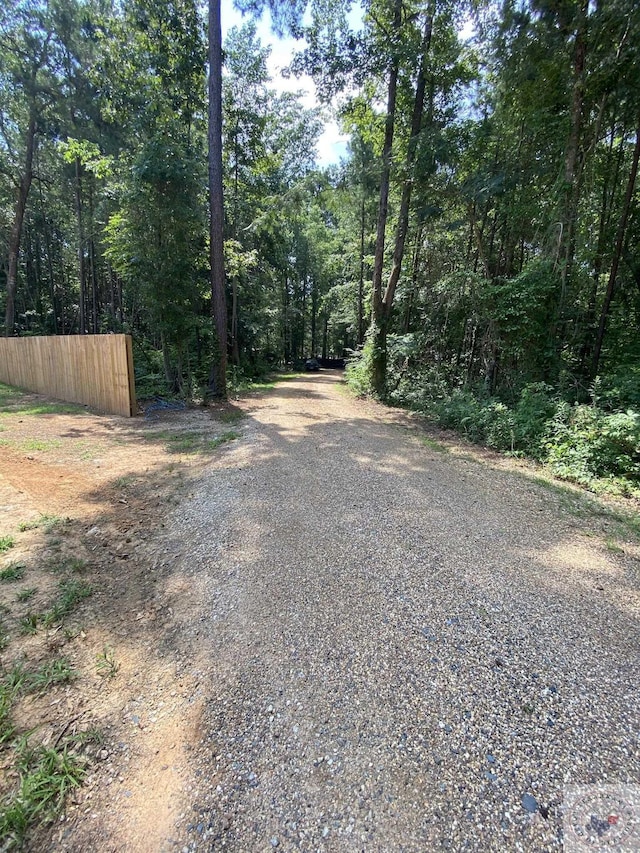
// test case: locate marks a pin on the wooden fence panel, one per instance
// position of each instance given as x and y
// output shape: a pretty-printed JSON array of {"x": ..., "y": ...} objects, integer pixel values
[{"x": 94, "y": 370}]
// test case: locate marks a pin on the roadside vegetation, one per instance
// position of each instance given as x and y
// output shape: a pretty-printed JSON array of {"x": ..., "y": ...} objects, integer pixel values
[
  {"x": 38, "y": 625},
  {"x": 595, "y": 444}
]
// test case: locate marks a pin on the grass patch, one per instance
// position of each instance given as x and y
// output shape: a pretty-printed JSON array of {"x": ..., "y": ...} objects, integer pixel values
[
  {"x": 56, "y": 671},
  {"x": 7, "y": 696},
  {"x": 431, "y": 444},
  {"x": 191, "y": 442},
  {"x": 123, "y": 482},
  {"x": 40, "y": 444},
  {"x": 75, "y": 565},
  {"x": 613, "y": 546},
  {"x": 46, "y": 777},
  {"x": 48, "y": 523},
  {"x": 231, "y": 417},
  {"x": 6, "y": 543},
  {"x": 13, "y": 401},
  {"x": 12, "y": 572},
  {"x": 29, "y": 624},
  {"x": 243, "y": 384},
  {"x": 72, "y": 592},
  {"x": 26, "y": 594}
]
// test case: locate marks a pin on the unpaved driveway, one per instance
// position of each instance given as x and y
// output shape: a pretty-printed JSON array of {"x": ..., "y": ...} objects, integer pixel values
[
  {"x": 402, "y": 643},
  {"x": 372, "y": 645}
]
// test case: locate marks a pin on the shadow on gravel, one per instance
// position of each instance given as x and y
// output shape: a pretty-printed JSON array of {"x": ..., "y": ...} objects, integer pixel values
[
  {"x": 454, "y": 641},
  {"x": 425, "y": 635}
]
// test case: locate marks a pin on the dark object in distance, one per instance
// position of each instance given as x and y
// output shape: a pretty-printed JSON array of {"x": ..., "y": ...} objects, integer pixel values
[
  {"x": 333, "y": 363},
  {"x": 312, "y": 364}
]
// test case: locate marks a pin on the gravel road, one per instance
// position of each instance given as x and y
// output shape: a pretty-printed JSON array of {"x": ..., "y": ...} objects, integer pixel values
[{"x": 409, "y": 650}]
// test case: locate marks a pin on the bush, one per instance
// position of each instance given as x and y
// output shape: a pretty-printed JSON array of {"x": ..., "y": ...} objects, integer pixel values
[
  {"x": 532, "y": 413},
  {"x": 584, "y": 444},
  {"x": 358, "y": 371}
]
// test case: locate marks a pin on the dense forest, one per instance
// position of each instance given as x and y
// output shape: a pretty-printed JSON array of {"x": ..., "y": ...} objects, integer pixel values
[{"x": 475, "y": 255}]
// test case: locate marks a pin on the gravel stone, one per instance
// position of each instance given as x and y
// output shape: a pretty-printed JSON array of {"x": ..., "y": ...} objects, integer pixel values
[{"x": 390, "y": 631}]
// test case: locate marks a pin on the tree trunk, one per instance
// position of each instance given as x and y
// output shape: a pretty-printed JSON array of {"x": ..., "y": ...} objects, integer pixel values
[
  {"x": 16, "y": 228},
  {"x": 81, "y": 267},
  {"x": 416, "y": 126},
  {"x": 361, "y": 278},
  {"x": 218, "y": 373},
  {"x": 378, "y": 318},
  {"x": 572, "y": 168},
  {"x": 314, "y": 319},
  {"x": 235, "y": 348},
  {"x": 617, "y": 254}
]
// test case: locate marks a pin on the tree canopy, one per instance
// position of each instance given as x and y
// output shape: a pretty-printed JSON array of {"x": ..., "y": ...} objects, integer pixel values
[{"x": 477, "y": 248}]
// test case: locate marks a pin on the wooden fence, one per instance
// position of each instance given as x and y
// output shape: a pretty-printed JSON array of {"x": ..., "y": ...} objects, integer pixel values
[{"x": 95, "y": 370}]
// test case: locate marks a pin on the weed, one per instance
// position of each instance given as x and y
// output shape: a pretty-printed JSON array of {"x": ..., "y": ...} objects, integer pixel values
[
  {"x": 94, "y": 736},
  {"x": 7, "y": 695},
  {"x": 29, "y": 623},
  {"x": 48, "y": 522},
  {"x": 6, "y": 542},
  {"x": 72, "y": 592},
  {"x": 56, "y": 671},
  {"x": 212, "y": 443},
  {"x": 12, "y": 572},
  {"x": 40, "y": 444},
  {"x": 123, "y": 482},
  {"x": 46, "y": 777},
  {"x": 27, "y": 593},
  {"x": 434, "y": 445},
  {"x": 191, "y": 442},
  {"x": 15, "y": 677},
  {"x": 106, "y": 664},
  {"x": 75, "y": 565},
  {"x": 613, "y": 546}
]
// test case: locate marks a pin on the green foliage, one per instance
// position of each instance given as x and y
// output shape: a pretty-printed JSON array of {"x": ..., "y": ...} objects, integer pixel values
[
  {"x": 48, "y": 523},
  {"x": 359, "y": 370},
  {"x": 584, "y": 444},
  {"x": 619, "y": 389},
  {"x": 26, "y": 594},
  {"x": 12, "y": 572},
  {"x": 6, "y": 543},
  {"x": 71, "y": 593},
  {"x": 595, "y": 448},
  {"x": 46, "y": 776},
  {"x": 29, "y": 624},
  {"x": 56, "y": 671},
  {"x": 191, "y": 442},
  {"x": 106, "y": 664}
]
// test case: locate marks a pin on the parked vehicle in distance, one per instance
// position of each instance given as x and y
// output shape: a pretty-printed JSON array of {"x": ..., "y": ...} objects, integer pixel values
[{"x": 312, "y": 364}]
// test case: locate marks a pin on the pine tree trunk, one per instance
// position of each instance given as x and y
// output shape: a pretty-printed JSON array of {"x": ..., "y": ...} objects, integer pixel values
[
  {"x": 218, "y": 373},
  {"x": 81, "y": 266}
]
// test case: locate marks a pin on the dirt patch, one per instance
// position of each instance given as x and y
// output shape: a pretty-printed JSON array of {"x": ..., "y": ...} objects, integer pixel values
[{"x": 90, "y": 608}]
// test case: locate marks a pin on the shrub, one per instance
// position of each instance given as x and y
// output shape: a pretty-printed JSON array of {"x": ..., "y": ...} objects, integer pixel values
[
  {"x": 584, "y": 443},
  {"x": 358, "y": 371}
]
